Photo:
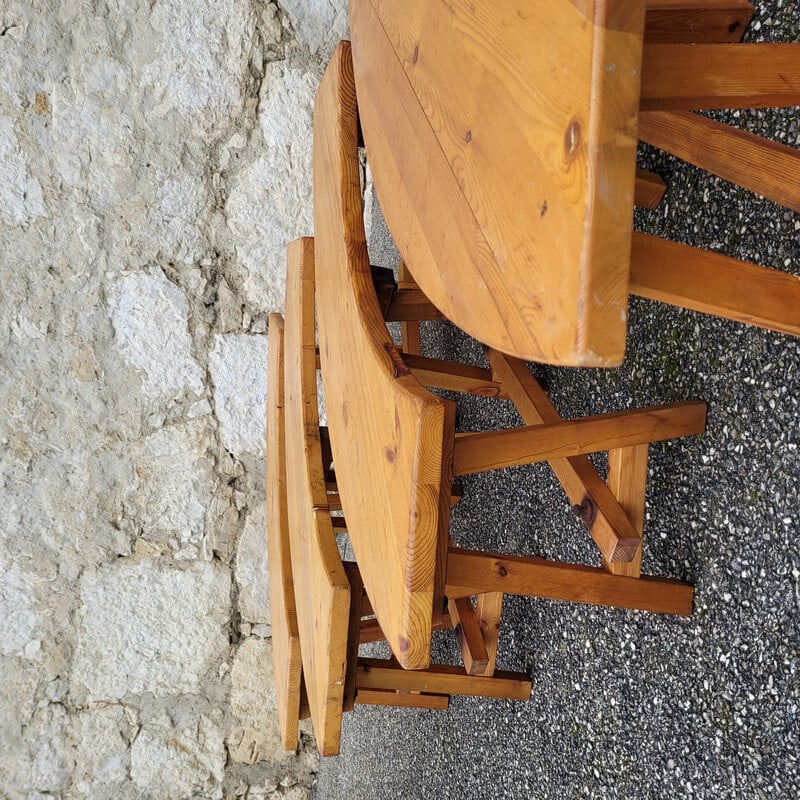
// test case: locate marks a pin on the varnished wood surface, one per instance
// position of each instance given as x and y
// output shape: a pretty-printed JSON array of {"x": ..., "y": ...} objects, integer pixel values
[
  {"x": 386, "y": 430},
  {"x": 715, "y": 284},
  {"x": 684, "y": 21},
  {"x": 761, "y": 165},
  {"x": 708, "y": 76},
  {"x": 285, "y": 635},
  {"x": 501, "y": 138},
  {"x": 321, "y": 588}
]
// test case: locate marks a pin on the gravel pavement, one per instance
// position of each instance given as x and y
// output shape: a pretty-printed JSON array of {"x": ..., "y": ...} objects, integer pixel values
[{"x": 628, "y": 704}]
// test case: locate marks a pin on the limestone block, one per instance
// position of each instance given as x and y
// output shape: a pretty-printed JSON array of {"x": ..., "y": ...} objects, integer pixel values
[
  {"x": 198, "y": 54},
  {"x": 19, "y": 619},
  {"x": 238, "y": 365},
  {"x": 149, "y": 627},
  {"x": 174, "y": 478},
  {"x": 270, "y": 202},
  {"x": 20, "y": 193},
  {"x": 318, "y": 24},
  {"x": 104, "y": 754},
  {"x": 179, "y": 761},
  {"x": 252, "y": 575},
  {"x": 150, "y": 316},
  {"x": 180, "y": 214},
  {"x": 255, "y": 737}
]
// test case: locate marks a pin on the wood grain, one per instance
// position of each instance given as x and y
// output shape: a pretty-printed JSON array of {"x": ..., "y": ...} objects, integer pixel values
[
  {"x": 479, "y": 452},
  {"x": 514, "y": 177},
  {"x": 708, "y": 76},
  {"x": 627, "y": 479},
  {"x": 715, "y": 284},
  {"x": 649, "y": 189},
  {"x": 442, "y": 679},
  {"x": 471, "y": 572},
  {"x": 760, "y": 165},
  {"x": 685, "y": 21},
  {"x": 386, "y": 430},
  {"x": 285, "y": 635},
  {"x": 321, "y": 588},
  {"x": 389, "y": 697}
]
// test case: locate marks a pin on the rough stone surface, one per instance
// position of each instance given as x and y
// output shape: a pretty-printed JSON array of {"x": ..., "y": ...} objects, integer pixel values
[
  {"x": 154, "y": 159},
  {"x": 256, "y": 736},
  {"x": 251, "y": 569},
  {"x": 148, "y": 628},
  {"x": 238, "y": 365}
]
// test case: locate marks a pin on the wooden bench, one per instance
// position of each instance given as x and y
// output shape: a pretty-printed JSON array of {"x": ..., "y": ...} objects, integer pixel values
[{"x": 317, "y": 601}]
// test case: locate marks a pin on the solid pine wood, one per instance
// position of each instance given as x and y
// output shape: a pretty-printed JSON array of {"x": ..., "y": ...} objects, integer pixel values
[
  {"x": 611, "y": 529},
  {"x": 285, "y": 635},
  {"x": 321, "y": 588},
  {"x": 470, "y": 636},
  {"x": 715, "y": 284},
  {"x": 411, "y": 305},
  {"x": 452, "y": 376},
  {"x": 627, "y": 479},
  {"x": 536, "y": 213},
  {"x": 389, "y": 473},
  {"x": 409, "y": 330},
  {"x": 768, "y": 168},
  {"x": 676, "y": 21},
  {"x": 648, "y": 190},
  {"x": 388, "y": 697},
  {"x": 708, "y": 76},
  {"x": 489, "y": 608},
  {"x": 470, "y": 571},
  {"x": 487, "y": 450},
  {"x": 442, "y": 679}
]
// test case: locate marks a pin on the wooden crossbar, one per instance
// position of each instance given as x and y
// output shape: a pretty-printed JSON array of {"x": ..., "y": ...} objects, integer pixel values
[
  {"x": 487, "y": 450},
  {"x": 442, "y": 679},
  {"x": 768, "y": 168},
  {"x": 470, "y": 572},
  {"x": 708, "y": 76},
  {"x": 714, "y": 284}
]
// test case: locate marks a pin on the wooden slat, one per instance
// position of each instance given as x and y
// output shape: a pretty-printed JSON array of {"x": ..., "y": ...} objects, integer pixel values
[
  {"x": 685, "y": 21},
  {"x": 517, "y": 232},
  {"x": 288, "y": 666},
  {"x": 409, "y": 330},
  {"x": 648, "y": 190},
  {"x": 322, "y": 591},
  {"x": 413, "y": 306},
  {"x": 371, "y": 629},
  {"x": 353, "y": 634},
  {"x": 611, "y": 529},
  {"x": 445, "y": 502},
  {"x": 473, "y": 648},
  {"x": 473, "y": 572},
  {"x": 442, "y": 679},
  {"x": 768, "y": 168},
  {"x": 385, "y": 428},
  {"x": 707, "y": 76},
  {"x": 715, "y": 284},
  {"x": 452, "y": 376},
  {"x": 489, "y": 609},
  {"x": 627, "y": 479},
  {"x": 387, "y": 697},
  {"x": 480, "y": 452}
]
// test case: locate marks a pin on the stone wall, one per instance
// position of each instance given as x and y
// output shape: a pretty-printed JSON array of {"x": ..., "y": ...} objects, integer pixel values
[{"x": 155, "y": 157}]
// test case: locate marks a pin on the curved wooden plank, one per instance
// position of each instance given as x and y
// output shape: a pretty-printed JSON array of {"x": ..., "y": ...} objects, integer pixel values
[
  {"x": 321, "y": 588},
  {"x": 285, "y": 635},
  {"x": 386, "y": 430},
  {"x": 502, "y": 142}
]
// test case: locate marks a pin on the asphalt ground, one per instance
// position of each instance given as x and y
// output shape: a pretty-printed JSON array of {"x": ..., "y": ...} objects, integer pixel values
[{"x": 628, "y": 704}]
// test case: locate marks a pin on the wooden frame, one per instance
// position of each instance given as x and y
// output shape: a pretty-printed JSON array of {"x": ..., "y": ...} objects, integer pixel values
[{"x": 351, "y": 339}]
